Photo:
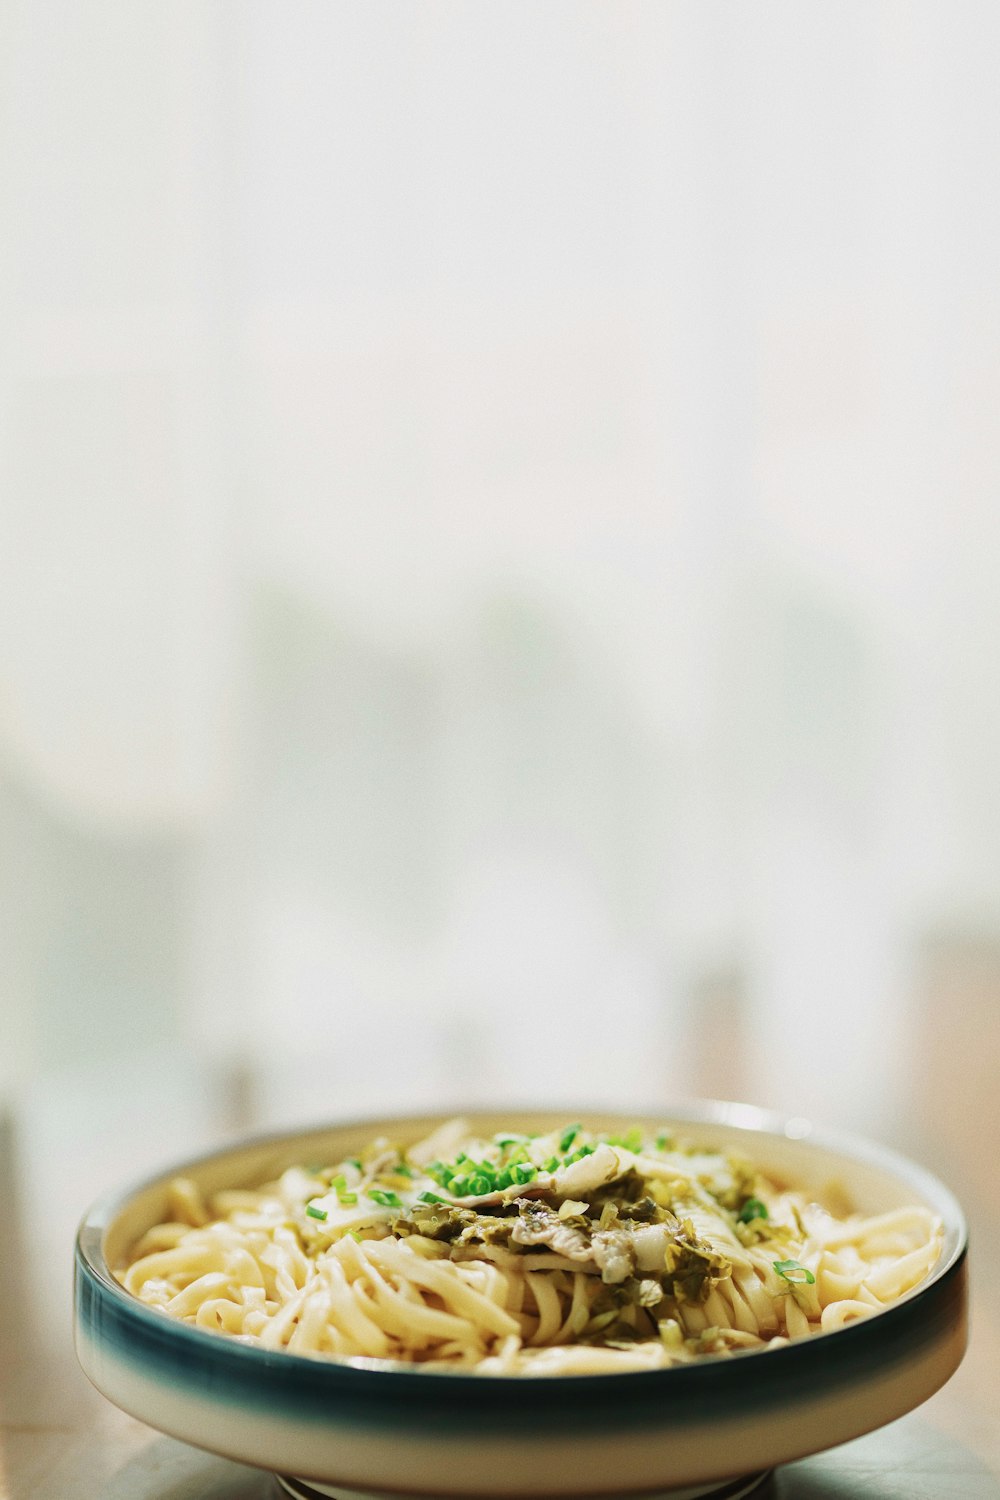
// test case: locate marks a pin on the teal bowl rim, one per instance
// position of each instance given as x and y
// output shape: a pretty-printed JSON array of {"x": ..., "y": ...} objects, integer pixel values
[{"x": 800, "y": 1370}]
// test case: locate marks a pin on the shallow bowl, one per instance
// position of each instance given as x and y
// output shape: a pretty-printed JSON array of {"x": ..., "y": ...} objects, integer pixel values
[{"x": 712, "y": 1427}]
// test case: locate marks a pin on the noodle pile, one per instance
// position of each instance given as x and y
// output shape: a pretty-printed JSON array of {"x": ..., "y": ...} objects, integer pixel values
[{"x": 569, "y": 1253}]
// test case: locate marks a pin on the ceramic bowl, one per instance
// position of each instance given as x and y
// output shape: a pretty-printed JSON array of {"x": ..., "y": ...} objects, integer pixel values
[{"x": 711, "y": 1427}]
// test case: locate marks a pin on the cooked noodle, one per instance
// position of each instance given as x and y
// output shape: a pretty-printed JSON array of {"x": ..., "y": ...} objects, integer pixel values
[{"x": 569, "y": 1253}]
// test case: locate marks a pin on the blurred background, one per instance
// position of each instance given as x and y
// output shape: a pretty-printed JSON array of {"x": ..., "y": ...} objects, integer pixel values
[{"x": 498, "y": 564}]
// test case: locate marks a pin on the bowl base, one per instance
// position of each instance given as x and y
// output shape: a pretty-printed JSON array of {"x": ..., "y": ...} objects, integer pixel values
[{"x": 729, "y": 1489}]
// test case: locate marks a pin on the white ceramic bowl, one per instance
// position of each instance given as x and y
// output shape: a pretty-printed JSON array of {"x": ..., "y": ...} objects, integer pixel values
[{"x": 712, "y": 1427}]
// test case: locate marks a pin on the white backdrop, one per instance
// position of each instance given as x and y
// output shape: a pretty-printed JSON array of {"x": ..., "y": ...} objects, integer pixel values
[{"x": 499, "y": 533}]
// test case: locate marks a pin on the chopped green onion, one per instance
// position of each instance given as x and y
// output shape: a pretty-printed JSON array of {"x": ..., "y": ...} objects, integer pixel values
[
  {"x": 525, "y": 1172},
  {"x": 505, "y": 1178},
  {"x": 459, "y": 1186},
  {"x": 631, "y": 1140},
  {"x": 552, "y": 1165},
  {"x": 752, "y": 1209},
  {"x": 355, "y": 1162},
  {"x": 315, "y": 1213},
  {"x": 430, "y": 1198},
  {"x": 510, "y": 1140},
  {"x": 568, "y": 1136},
  {"x": 402, "y": 1169},
  {"x": 479, "y": 1185},
  {"x": 339, "y": 1185},
  {"x": 663, "y": 1141},
  {"x": 793, "y": 1272},
  {"x": 387, "y": 1199}
]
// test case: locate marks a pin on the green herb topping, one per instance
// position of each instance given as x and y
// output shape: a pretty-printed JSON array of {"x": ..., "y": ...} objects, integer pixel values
[
  {"x": 315, "y": 1213},
  {"x": 339, "y": 1185},
  {"x": 631, "y": 1140},
  {"x": 752, "y": 1209},
  {"x": 387, "y": 1199},
  {"x": 794, "y": 1273}
]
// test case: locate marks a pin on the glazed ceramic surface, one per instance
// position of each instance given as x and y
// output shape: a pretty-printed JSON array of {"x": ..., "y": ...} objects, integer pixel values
[{"x": 387, "y": 1429}]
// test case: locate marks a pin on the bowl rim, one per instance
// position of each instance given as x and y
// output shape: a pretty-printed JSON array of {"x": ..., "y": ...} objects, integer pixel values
[{"x": 371, "y": 1373}]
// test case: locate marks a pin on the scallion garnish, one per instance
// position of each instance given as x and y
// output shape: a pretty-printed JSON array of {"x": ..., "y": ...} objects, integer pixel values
[
  {"x": 510, "y": 1140},
  {"x": 401, "y": 1169},
  {"x": 339, "y": 1185},
  {"x": 568, "y": 1136},
  {"x": 752, "y": 1209},
  {"x": 791, "y": 1271},
  {"x": 387, "y": 1199},
  {"x": 430, "y": 1198},
  {"x": 479, "y": 1185},
  {"x": 315, "y": 1213},
  {"x": 631, "y": 1140}
]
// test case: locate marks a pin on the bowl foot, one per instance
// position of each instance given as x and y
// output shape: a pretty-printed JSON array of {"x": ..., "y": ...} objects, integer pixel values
[{"x": 729, "y": 1489}]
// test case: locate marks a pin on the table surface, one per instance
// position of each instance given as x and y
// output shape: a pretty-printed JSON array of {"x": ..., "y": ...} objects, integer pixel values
[{"x": 59, "y": 1437}]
